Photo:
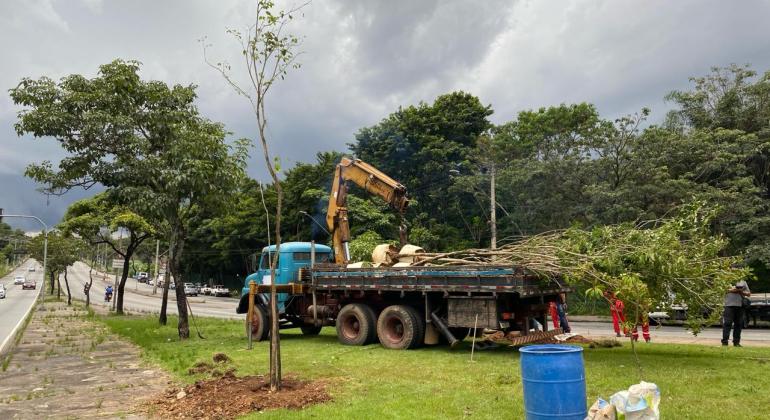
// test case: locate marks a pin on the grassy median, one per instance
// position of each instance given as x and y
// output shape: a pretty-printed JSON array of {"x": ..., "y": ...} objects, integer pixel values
[{"x": 370, "y": 382}]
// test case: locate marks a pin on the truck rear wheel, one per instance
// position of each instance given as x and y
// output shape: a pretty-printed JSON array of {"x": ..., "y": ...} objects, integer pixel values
[
  {"x": 400, "y": 327},
  {"x": 356, "y": 325},
  {"x": 260, "y": 324}
]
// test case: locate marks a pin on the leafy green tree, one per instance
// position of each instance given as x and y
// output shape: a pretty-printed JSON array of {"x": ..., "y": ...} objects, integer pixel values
[
  {"x": 421, "y": 147},
  {"x": 144, "y": 140},
  {"x": 97, "y": 220},
  {"x": 269, "y": 53}
]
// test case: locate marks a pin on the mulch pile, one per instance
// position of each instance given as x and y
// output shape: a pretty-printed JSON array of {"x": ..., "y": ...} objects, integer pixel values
[{"x": 228, "y": 396}]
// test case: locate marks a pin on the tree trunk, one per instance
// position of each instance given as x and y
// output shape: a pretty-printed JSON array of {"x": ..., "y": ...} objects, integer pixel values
[
  {"x": 164, "y": 302},
  {"x": 87, "y": 286},
  {"x": 275, "y": 336},
  {"x": 53, "y": 281},
  {"x": 181, "y": 299},
  {"x": 67, "y": 284},
  {"x": 58, "y": 284},
  {"x": 123, "y": 278}
]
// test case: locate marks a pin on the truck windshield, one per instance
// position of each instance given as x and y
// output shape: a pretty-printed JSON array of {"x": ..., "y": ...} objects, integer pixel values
[{"x": 265, "y": 263}]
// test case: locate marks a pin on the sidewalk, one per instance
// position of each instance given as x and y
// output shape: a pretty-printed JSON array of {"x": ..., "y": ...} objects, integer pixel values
[{"x": 68, "y": 366}]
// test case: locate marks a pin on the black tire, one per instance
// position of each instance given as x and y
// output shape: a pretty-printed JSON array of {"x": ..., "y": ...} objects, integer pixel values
[
  {"x": 356, "y": 325},
  {"x": 260, "y": 325},
  {"x": 308, "y": 329},
  {"x": 400, "y": 327}
]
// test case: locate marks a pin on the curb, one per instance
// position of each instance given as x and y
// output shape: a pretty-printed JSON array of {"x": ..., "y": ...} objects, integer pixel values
[{"x": 9, "y": 342}]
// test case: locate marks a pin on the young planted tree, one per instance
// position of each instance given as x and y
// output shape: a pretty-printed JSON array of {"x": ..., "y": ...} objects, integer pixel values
[
  {"x": 143, "y": 140},
  {"x": 268, "y": 53},
  {"x": 97, "y": 219}
]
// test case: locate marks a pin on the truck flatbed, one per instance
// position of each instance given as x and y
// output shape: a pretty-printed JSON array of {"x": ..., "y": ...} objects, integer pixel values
[{"x": 470, "y": 279}]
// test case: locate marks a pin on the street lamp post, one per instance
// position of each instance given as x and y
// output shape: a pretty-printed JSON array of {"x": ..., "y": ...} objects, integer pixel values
[{"x": 45, "y": 237}]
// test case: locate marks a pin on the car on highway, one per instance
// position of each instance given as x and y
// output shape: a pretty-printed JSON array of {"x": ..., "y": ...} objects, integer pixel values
[
  {"x": 220, "y": 290},
  {"x": 19, "y": 280},
  {"x": 31, "y": 268},
  {"x": 29, "y": 284},
  {"x": 2, "y": 291},
  {"x": 190, "y": 290},
  {"x": 206, "y": 290},
  {"x": 142, "y": 277}
]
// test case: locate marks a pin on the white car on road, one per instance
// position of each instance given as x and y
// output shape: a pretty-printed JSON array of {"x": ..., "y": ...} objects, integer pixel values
[
  {"x": 31, "y": 268},
  {"x": 220, "y": 290},
  {"x": 19, "y": 280},
  {"x": 2, "y": 291},
  {"x": 190, "y": 290}
]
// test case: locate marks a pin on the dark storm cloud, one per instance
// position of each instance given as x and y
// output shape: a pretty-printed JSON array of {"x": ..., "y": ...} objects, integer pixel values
[{"x": 363, "y": 59}]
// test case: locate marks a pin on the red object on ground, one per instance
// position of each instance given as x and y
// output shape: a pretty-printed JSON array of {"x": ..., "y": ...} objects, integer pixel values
[{"x": 645, "y": 331}]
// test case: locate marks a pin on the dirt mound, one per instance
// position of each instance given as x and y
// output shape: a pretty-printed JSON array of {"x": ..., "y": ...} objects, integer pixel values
[
  {"x": 229, "y": 396},
  {"x": 221, "y": 358}
]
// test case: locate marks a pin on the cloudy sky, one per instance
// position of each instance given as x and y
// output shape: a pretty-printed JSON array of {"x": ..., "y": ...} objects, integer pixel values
[{"x": 364, "y": 58}]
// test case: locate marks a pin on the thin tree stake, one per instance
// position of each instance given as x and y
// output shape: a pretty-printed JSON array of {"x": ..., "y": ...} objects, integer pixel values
[{"x": 475, "y": 324}]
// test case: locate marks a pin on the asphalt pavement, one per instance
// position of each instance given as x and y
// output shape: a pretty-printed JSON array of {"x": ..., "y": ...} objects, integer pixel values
[
  {"x": 139, "y": 298},
  {"x": 17, "y": 301},
  {"x": 676, "y": 334}
]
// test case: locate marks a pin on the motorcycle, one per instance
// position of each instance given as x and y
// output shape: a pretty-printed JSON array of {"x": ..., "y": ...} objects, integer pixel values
[{"x": 107, "y": 297}]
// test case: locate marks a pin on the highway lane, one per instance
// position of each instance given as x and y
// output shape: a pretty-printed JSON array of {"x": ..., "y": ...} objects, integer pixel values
[
  {"x": 139, "y": 297},
  {"x": 17, "y": 301}
]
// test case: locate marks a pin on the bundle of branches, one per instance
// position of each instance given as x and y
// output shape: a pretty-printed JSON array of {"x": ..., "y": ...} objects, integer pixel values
[{"x": 649, "y": 265}]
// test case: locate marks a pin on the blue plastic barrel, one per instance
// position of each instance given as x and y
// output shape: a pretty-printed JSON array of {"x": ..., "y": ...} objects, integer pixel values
[{"x": 554, "y": 382}]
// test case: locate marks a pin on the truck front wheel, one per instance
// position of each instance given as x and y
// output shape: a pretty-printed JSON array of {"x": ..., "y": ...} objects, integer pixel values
[
  {"x": 400, "y": 327},
  {"x": 260, "y": 324},
  {"x": 356, "y": 325}
]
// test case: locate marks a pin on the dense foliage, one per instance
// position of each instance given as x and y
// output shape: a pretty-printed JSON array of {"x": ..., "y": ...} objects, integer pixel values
[{"x": 556, "y": 167}]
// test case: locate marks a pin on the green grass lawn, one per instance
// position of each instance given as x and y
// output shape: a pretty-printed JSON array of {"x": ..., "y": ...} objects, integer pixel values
[{"x": 697, "y": 382}]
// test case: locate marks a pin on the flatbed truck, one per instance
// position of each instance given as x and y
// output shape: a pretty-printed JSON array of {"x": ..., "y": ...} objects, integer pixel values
[{"x": 401, "y": 307}]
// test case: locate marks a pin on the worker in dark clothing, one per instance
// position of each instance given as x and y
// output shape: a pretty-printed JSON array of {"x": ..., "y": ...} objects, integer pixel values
[{"x": 733, "y": 315}]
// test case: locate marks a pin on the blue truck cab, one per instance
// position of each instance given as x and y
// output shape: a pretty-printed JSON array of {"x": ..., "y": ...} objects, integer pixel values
[{"x": 292, "y": 257}]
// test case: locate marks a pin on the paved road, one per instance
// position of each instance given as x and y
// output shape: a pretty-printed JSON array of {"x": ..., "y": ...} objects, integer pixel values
[
  {"x": 17, "y": 301},
  {"x": 675, "y": 334},
  {"x": 139, "y": 297}
]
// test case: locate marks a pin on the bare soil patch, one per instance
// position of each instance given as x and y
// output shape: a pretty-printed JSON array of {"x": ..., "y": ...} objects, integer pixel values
[{"x": 229, "y": 396}]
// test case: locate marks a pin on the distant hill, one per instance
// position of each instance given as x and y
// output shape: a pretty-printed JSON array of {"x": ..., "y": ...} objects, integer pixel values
[{"x": 19, "y": 195}]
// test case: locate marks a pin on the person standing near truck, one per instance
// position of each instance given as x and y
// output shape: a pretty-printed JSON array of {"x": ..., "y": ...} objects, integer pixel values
[
  {"x": 733, "y": 314},
  {"x": 559, "y": 314}
]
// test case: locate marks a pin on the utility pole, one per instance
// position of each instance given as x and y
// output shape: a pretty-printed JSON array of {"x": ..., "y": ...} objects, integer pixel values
[{"x": 493, "y": 207}]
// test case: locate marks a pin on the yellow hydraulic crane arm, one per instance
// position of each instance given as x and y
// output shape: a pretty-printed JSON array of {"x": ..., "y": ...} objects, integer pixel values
[{"x": 371, "y": 180}]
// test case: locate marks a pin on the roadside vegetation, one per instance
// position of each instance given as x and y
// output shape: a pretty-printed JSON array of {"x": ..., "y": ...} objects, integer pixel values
[{"x": 371, "y": 382}]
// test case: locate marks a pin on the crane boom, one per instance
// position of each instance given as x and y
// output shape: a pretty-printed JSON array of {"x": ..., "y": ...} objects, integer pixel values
[{"x": 371, "y": 180}]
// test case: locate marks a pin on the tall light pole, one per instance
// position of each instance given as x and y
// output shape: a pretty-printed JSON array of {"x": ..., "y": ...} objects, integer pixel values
[
  {"x": 45, "y": 236},
  {"x": 493, "y": 207}
]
